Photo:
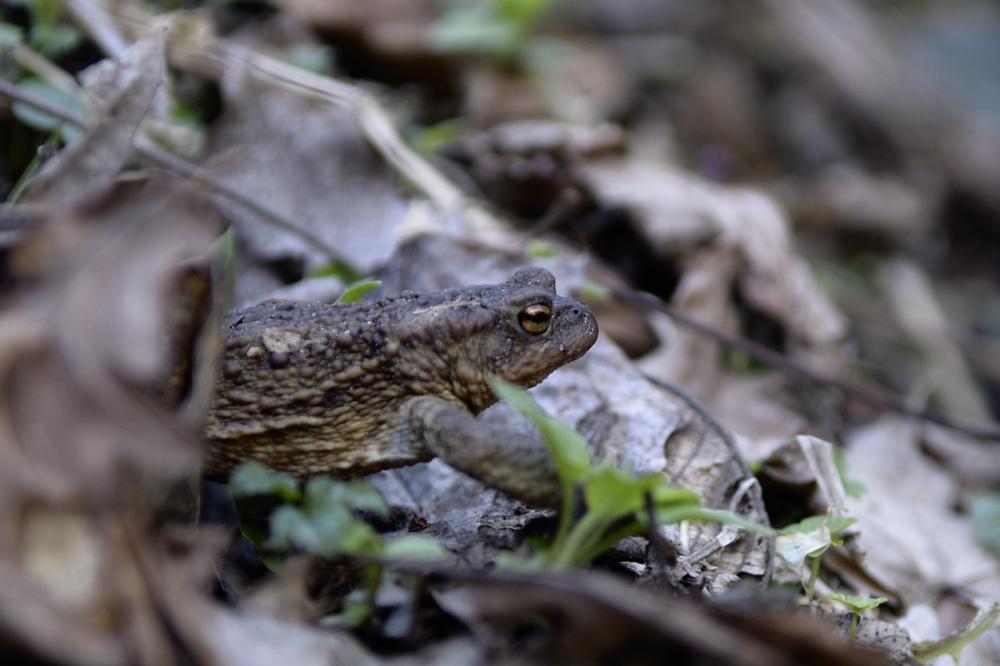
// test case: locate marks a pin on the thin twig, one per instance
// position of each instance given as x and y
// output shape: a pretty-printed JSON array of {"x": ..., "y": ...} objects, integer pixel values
[
  {"x": 45, "y": 69},
  {"x": 97, "y": 26},
  {"x": 176, "y": 165},
  {"x": 867, "y": 392}
]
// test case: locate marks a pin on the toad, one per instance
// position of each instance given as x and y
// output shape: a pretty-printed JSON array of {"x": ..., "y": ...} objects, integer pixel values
[{"x": 354, "y": 388}]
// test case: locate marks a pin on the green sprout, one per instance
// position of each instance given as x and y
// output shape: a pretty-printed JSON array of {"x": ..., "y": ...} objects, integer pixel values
[
  {"x": 354, "y": 292},
  {"x": 809, "y": 539},
  {"x": 856, "y": 605},
  {"x": 615, "y": 503},
  {"x": 322, "y": 518}
]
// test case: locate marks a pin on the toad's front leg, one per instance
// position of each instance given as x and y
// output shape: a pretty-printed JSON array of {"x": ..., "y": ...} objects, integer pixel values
[{"x": 503, "y": 459}]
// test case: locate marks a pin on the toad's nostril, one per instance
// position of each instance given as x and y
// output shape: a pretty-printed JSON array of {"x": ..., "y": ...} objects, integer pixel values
[{"x": 576, "y": 311}]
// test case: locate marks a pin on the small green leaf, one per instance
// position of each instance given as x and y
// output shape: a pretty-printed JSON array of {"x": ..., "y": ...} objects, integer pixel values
[
  {"x": 857, "y": 604},
  {"x": 338, "y": 269},
  {"x": 414, "y": 547},
  {"x": 54, "y": 40},
  {"x": 253, "y": 478},
  {"x": 665, "y": 496},
  {"x": 40, "y": 120},
  {"x": 10, "y": 34},
  {"x": 835, "y": 525},
  {"x": 354, "y": 613},
  {"x": 593, "y": 292},
  {"x": 611, "y": 491},
  {"x": 810, "y": 537},
  {"x": 186, "y": 114},
  {"x": 512, "y": 562},
  {"x": 541, "y": 249},
  {"x": 45, "y": 12},
  {"x": 475, "y": 30},
  {"x": 986, "y": 520},
  {"x": 432, "y": 139},
  {"x": 225, "y": 247},
  {"x": 523, "y": 13},
  {"x": 322, "y": 492},
  {"x": 341, "y": 533},
  {"x": 289, "y": 526},
  {"x": 354, "y": 292}
]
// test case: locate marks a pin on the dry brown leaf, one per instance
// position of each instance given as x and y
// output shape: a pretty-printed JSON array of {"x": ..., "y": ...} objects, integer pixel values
[
  {"x": 311, "y": 163},
  {"x": 88, "y": 446},
  {"x": 119, "y": 94}
]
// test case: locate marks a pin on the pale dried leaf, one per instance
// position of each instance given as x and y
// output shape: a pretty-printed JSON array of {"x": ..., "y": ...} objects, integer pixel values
[{"x": 914, "y": 542}]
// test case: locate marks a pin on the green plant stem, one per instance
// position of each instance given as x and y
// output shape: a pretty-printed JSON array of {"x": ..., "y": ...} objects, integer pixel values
[
  {"x": 610, "y": 539},
  {"x": 581, "y": 539},
  {"x": 373, "y": 575},
  {"x": 854, "y": 626},
  {"x": 953, "y": 644},
  {"x": 565, "y": 516},
  {"x": 813, "y": 575}
]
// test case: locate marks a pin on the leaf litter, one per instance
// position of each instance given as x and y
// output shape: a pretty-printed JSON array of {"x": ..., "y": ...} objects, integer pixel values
[{"x": 110, "y": 335}]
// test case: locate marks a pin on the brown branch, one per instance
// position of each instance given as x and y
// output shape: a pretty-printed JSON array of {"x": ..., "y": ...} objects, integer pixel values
[{"x": 869, "y": 393}]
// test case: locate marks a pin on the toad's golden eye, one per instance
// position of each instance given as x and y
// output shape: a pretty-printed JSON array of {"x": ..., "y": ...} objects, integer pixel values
[{"x": 535, "y": 318}]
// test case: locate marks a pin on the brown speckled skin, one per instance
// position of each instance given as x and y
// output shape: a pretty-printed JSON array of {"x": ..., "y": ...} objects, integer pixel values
[{"x": 349, "y": 389}]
